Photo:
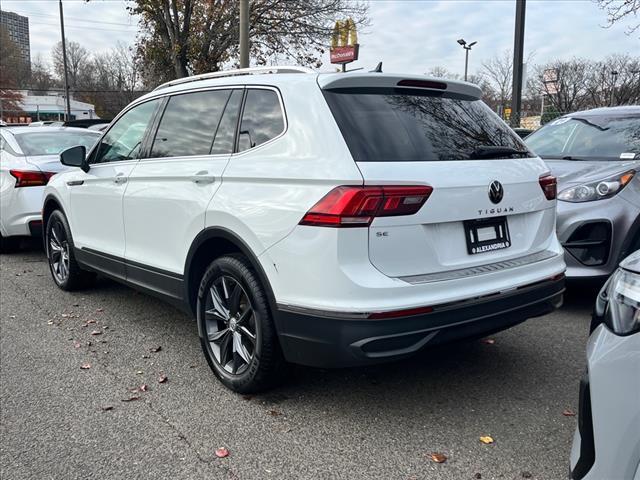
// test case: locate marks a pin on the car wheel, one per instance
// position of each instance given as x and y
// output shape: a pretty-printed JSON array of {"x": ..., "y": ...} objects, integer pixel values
[
  {"x": 64, "y": 268},
  {"x": 236, "y": 329},
  {"x": 9, "y": 244}
]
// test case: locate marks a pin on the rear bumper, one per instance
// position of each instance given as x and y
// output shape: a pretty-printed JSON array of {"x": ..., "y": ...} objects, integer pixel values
[{"x": 322, "y": 340}]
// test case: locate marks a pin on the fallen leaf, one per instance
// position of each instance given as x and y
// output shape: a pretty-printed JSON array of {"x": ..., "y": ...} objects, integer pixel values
[
  {"x": 162, "y": 378},
  {"x": 143, "y": 387},
  {"x": 85, "y": 366},
  {"x": 76, "y": 304},
  {"x": 438, "y": 457},
  {"x": 96, "y": 332},
  {"x": 488, "y": 341},
  {"x": 568, "y": 413},
  {"x": 477, "y": 476},
  {"x": 65, "y": 315},
  {"x": 139, "y": 372},
  {"x": 155, "y": 349},
  {"x": 50, "y": 322},
  {"x": 106, "y": 408},
  {"x": 274, "y": 413},
  {"x": 526, "y": 474},
  {"x": 146, "y": 356},
  {"x": 247, "y": 397},
  {"x": 222, "y": 452},
  {"x": 99, "y": 309},
  {"x": 486, "y": 439},
  {"x": 132, "y": 398},
  {"x": 12, "y": 316},
  {"x": 76, "y": 345}
]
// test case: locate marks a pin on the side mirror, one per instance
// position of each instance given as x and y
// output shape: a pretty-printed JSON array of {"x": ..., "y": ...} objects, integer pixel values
[{"x": 75, "y": 157}]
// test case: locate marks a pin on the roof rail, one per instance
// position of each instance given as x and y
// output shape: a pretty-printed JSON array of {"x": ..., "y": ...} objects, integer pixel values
[{"x": 232, "y": 73}]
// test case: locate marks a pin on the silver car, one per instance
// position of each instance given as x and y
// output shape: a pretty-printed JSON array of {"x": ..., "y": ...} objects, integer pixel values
[
  {"x": 595, "y": 155},
  {"x": 606, "y": 444}
]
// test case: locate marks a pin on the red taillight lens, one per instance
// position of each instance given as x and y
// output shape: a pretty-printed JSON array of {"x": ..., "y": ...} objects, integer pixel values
[
  {"x": 357, "y": 206},
  {"x": 26, "y": 178},
  {"x": 549, "y": 185}
]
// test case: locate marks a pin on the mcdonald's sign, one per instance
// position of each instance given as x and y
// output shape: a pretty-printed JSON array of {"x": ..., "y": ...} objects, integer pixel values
[{"x": 344, "y": 42}]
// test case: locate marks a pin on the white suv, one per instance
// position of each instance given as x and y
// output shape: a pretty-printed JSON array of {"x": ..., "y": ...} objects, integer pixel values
[{"x": 320, "y": 219}]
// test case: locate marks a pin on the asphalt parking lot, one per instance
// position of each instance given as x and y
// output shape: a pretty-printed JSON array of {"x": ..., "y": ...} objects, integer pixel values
[{"x": 59, "y": 420}]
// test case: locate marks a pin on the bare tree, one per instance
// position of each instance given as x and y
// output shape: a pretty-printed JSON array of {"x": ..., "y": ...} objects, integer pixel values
[
  {"x": 77, "y": 62},
  {"x": 569, "y": 92},
  {"x": 499, "y": 71},
  {"x": 41, "y": 79},
  {"x": 621, "y": 11}
]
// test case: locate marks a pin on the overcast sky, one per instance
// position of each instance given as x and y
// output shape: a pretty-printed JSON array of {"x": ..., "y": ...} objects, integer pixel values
[{"x": 407, "y": 35}]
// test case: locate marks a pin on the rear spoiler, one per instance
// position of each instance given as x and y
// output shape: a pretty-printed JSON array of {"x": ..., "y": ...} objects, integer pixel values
[{"x": 391, "y": 80}]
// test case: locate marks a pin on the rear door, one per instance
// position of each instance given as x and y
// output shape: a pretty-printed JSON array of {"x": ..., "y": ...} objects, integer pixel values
[
  {"x": 169, "y": 189},
  {"x": 487, "y": 203}
]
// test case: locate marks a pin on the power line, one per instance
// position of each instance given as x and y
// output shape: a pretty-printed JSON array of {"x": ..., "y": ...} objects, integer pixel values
[
  {"x": 49, "y": 15},
  {"x": 86, "y": 27}
]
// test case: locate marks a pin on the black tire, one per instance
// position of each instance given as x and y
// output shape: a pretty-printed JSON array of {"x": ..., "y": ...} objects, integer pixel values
[
  {"x": 266, "y": 365},
  {"x": 9, "y": 244},
  {"x": 64, "y": 268}
]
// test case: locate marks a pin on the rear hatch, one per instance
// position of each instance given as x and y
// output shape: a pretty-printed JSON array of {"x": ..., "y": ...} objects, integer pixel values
[{"x": 487, "y": 203}]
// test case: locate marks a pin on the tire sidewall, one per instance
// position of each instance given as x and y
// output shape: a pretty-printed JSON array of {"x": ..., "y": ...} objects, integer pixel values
[{"x": 228, "y": 267}]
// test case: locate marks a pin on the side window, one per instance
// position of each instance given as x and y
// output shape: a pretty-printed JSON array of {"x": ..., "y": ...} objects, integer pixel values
[
  {"x": 226, "y": 133},
  {"x": 124, "y": 138},
  {"x": 262, "y": 119},
  {"x": 189, "y": 124}
]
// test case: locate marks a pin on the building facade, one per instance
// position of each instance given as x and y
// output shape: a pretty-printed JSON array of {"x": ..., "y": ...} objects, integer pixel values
[{"x": 17, "y": 27}]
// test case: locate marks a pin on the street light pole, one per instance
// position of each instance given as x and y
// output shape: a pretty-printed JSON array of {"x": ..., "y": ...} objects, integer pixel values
[
  {"x": 518, "y": 67},
  {"x": 614, "y": 77},
  {"x": 467, "y": 48},
  {"x": 64, "y": 61},
  {"x": 244, "y": 33}
]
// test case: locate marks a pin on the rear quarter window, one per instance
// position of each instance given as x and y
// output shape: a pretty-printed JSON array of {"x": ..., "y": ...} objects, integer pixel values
[
  {"x": 396, "y": 124},
  {"x": 262, "y": 119}
]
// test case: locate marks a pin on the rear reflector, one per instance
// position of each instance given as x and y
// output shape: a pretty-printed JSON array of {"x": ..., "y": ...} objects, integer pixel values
[
  {"x": 423, "y": 84},
  {"x": 400, "y": 313},
  {"x": 27, "y": 178},
  {"x": 357, "y": 206},
  {"x": 549, "y": 186}
]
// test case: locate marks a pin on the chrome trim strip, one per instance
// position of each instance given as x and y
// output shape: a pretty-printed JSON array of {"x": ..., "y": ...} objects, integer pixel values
[{"x": 479, "y": 270}]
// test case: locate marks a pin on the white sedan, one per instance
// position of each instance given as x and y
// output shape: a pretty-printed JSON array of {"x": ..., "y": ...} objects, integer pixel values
[{"x": 29, "y": 157}]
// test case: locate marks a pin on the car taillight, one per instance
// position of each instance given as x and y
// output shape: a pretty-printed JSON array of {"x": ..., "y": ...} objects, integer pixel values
[
  {"x": 27, "y": 178},
  {"x": 350, "y": 206},
  {"x": 549, "y": 186}
]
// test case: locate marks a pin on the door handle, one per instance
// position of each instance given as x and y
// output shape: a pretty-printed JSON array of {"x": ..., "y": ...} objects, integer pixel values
[
  {"x": 201, "y": 178},
  {"x": 120, "y": 179}
]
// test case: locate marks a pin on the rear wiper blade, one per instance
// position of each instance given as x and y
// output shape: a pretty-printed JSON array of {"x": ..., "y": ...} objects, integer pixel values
[
  {"x": 488, "y": 151},
  {"x": 570, "y": 157}
]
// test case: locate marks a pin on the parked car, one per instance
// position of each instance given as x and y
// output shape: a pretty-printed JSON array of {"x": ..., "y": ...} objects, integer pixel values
[
  {"x": 595, "y": 155},
  {"x": 321, "y": 219},
  {"x": 606, "y": 443},
  {"x": 523, "y": 132},
  {"x": 29, "y": 156}
]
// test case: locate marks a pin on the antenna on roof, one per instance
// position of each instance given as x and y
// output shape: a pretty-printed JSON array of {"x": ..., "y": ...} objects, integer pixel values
[{"x": 378, "y": 68}]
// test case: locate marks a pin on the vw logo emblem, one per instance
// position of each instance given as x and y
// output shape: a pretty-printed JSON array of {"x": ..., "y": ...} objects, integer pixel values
[{"x": 496, "y": 192}]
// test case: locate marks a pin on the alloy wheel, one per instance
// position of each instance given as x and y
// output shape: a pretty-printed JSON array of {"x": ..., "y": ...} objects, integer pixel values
[
  {"x": 231, "y": 325},
  {"x": 59, "y": 252}
]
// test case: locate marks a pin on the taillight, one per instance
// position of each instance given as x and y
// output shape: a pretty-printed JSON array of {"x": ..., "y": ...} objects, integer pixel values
[
  {"x": 27, "y": 178},
  {"x": 348, "y": 206},
  {"x": 549, "y": 185}
]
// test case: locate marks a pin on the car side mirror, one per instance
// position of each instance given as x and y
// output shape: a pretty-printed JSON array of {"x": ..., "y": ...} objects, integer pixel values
[{"x": 75, "y": 157}]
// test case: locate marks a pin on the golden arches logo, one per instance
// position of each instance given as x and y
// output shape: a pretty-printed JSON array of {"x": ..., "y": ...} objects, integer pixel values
[{"x": 344, "y": 34}]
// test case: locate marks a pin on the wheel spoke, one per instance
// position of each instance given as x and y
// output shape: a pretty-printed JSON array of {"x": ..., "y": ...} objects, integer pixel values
[
  {"x": 217, "y": 303},
  {"x": 244, "y": 331},
  {"x": 226, "y": 349},
  {"x": 244, "y": 316},
  {"x": 55, "y": 235},
  {"x": 213, "y": 312},
  {"x": 234, "y": 300},
  {"x": 240, "y": 349},
  {"x": 216, "y": 336}
]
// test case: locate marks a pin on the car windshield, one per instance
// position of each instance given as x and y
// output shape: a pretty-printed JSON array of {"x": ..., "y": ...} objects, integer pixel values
[
  {"x": 54, "y": 142},
  {"x": 588, "y": 138},
  {"x": 403, "y": 125}
]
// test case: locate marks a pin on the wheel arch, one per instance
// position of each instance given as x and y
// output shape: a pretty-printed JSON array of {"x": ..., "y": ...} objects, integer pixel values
[
  {"x": 50, "y": 204},
  {"x": 210, "y": 244}
]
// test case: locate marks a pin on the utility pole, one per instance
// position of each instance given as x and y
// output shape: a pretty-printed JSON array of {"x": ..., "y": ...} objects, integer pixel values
[
  {"x": 518, "y": 54},
  {"x": 244, "y": 33},
  {"x": 64, "y": 60}
]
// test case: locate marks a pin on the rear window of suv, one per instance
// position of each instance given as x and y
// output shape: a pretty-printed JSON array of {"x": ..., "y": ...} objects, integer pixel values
[{"x": 405, "y": 125}]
